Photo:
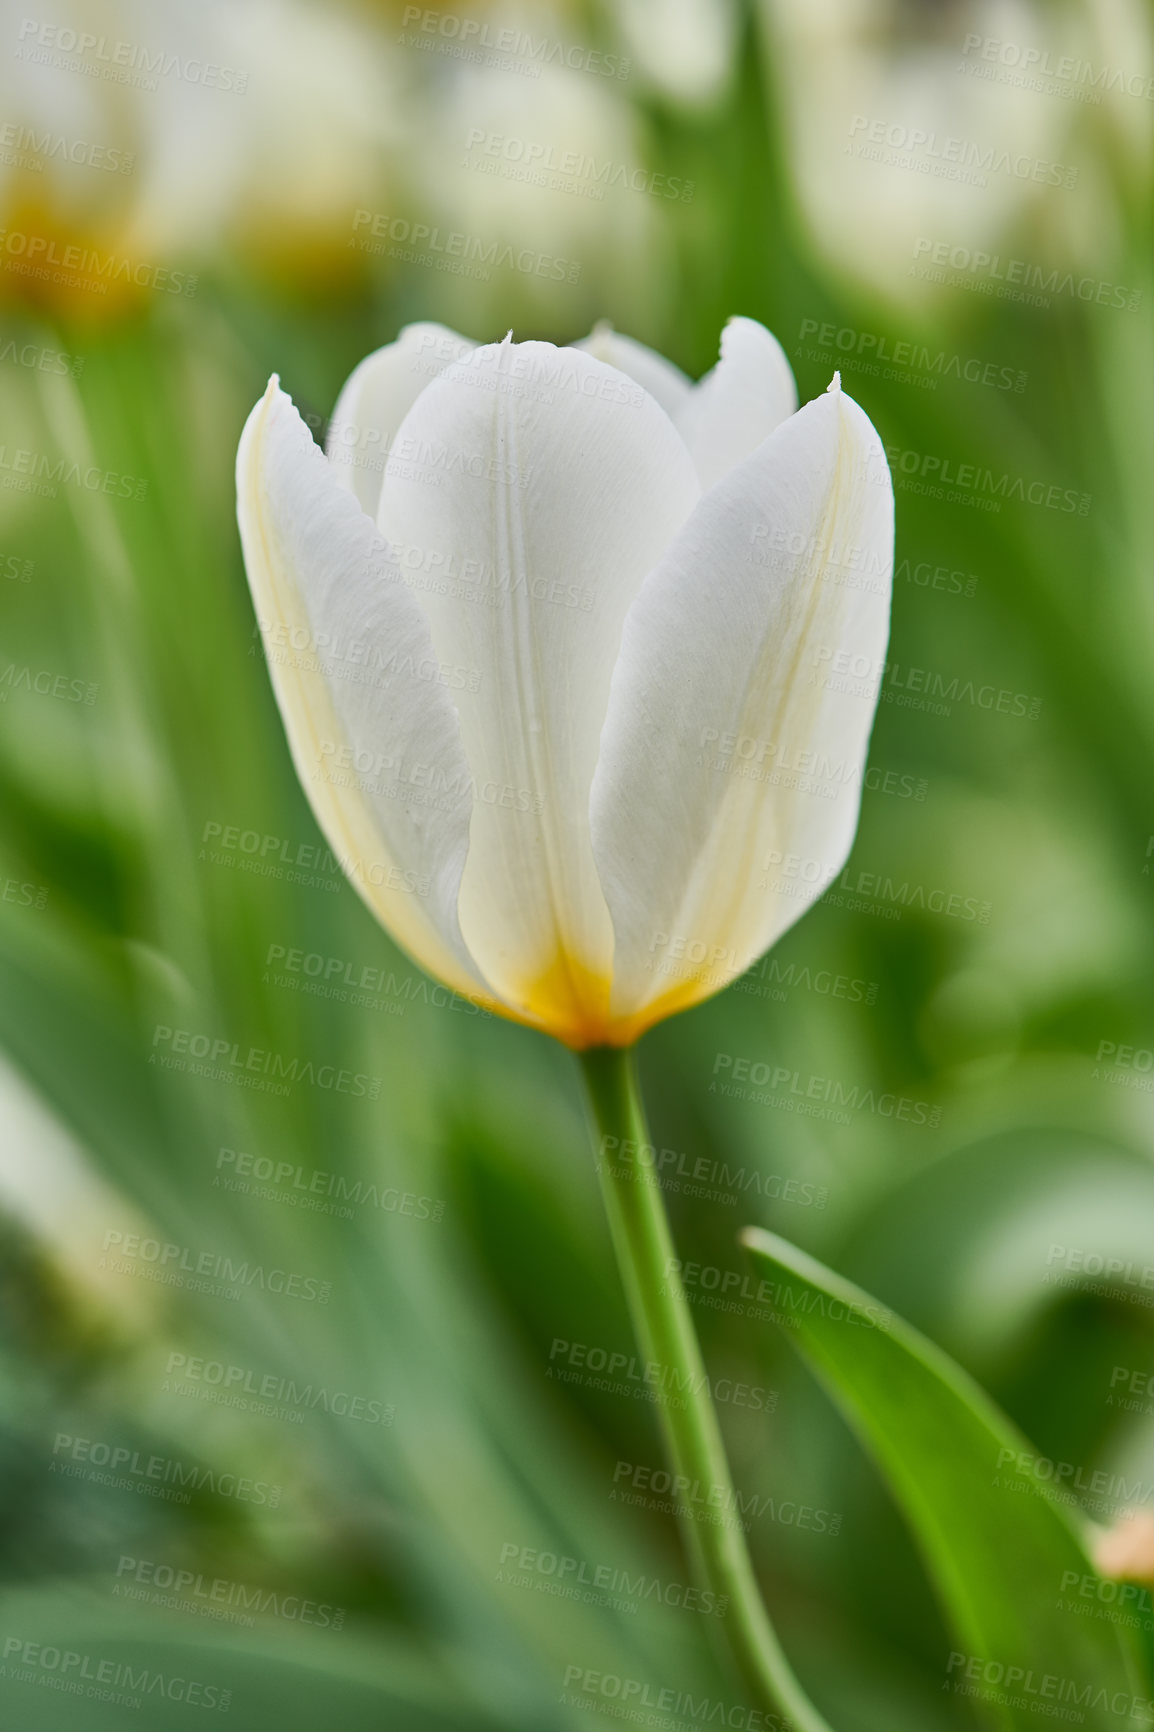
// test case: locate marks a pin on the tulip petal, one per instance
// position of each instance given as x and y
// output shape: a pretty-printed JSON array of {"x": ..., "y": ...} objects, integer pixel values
[
  {"x": 369, "y": 724},
  {"x": 727, "y": 791},
  {"x": 571, "y": 485},
  {"x": 664, "y": 381},
  {"x": 376, "y": 397},
  {"x": 739, "y": 403}
]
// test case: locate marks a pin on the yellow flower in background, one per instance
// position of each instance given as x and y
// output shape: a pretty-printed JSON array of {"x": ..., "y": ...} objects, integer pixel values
[{"x": 560, "y": 641}]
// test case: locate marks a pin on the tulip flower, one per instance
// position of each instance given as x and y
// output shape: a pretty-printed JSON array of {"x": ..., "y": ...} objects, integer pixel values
[
  {"x": 578, "y": 662},
  {"x": 868, "y": 98},
  {"x": 565, "y": 650}
]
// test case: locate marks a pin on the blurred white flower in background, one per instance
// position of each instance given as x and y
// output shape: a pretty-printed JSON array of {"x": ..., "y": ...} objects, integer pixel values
[
  {"x": 251, "y": 129},
  {"x": 50, "y": 1186},
  {"x": 910, "y": 124},
  {"x": 686, "y": 48},
  {"x": 277, "y": 172},
  {"x": 543, "y": 156}
]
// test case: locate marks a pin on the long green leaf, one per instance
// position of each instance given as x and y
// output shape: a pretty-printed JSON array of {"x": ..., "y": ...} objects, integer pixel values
[{"x": 1003, "y": 1553}]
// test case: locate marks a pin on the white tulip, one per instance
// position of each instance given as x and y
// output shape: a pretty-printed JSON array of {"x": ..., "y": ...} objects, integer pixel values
[
  {"x": 899, "y": 130},
  {"x": 577, "y": 660}
]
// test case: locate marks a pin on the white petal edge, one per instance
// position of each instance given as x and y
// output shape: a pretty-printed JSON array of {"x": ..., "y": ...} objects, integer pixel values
[
  {"x": 356, "y": 680},
  {"x": 739, "y": 402},
  {"x": 374, "y": 400},
  {"x": 728, "y": 786}
]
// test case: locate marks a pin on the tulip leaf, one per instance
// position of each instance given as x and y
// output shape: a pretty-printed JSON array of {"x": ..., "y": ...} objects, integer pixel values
[{"x": 1004, "y": 1554}]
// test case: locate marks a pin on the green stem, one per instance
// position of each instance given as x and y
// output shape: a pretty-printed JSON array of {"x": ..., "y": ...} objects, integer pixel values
[{"x": 660, "y": 1311}]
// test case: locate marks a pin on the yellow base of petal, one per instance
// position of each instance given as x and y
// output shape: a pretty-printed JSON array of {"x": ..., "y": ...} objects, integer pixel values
[{"x": 572, "y": 1003}]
